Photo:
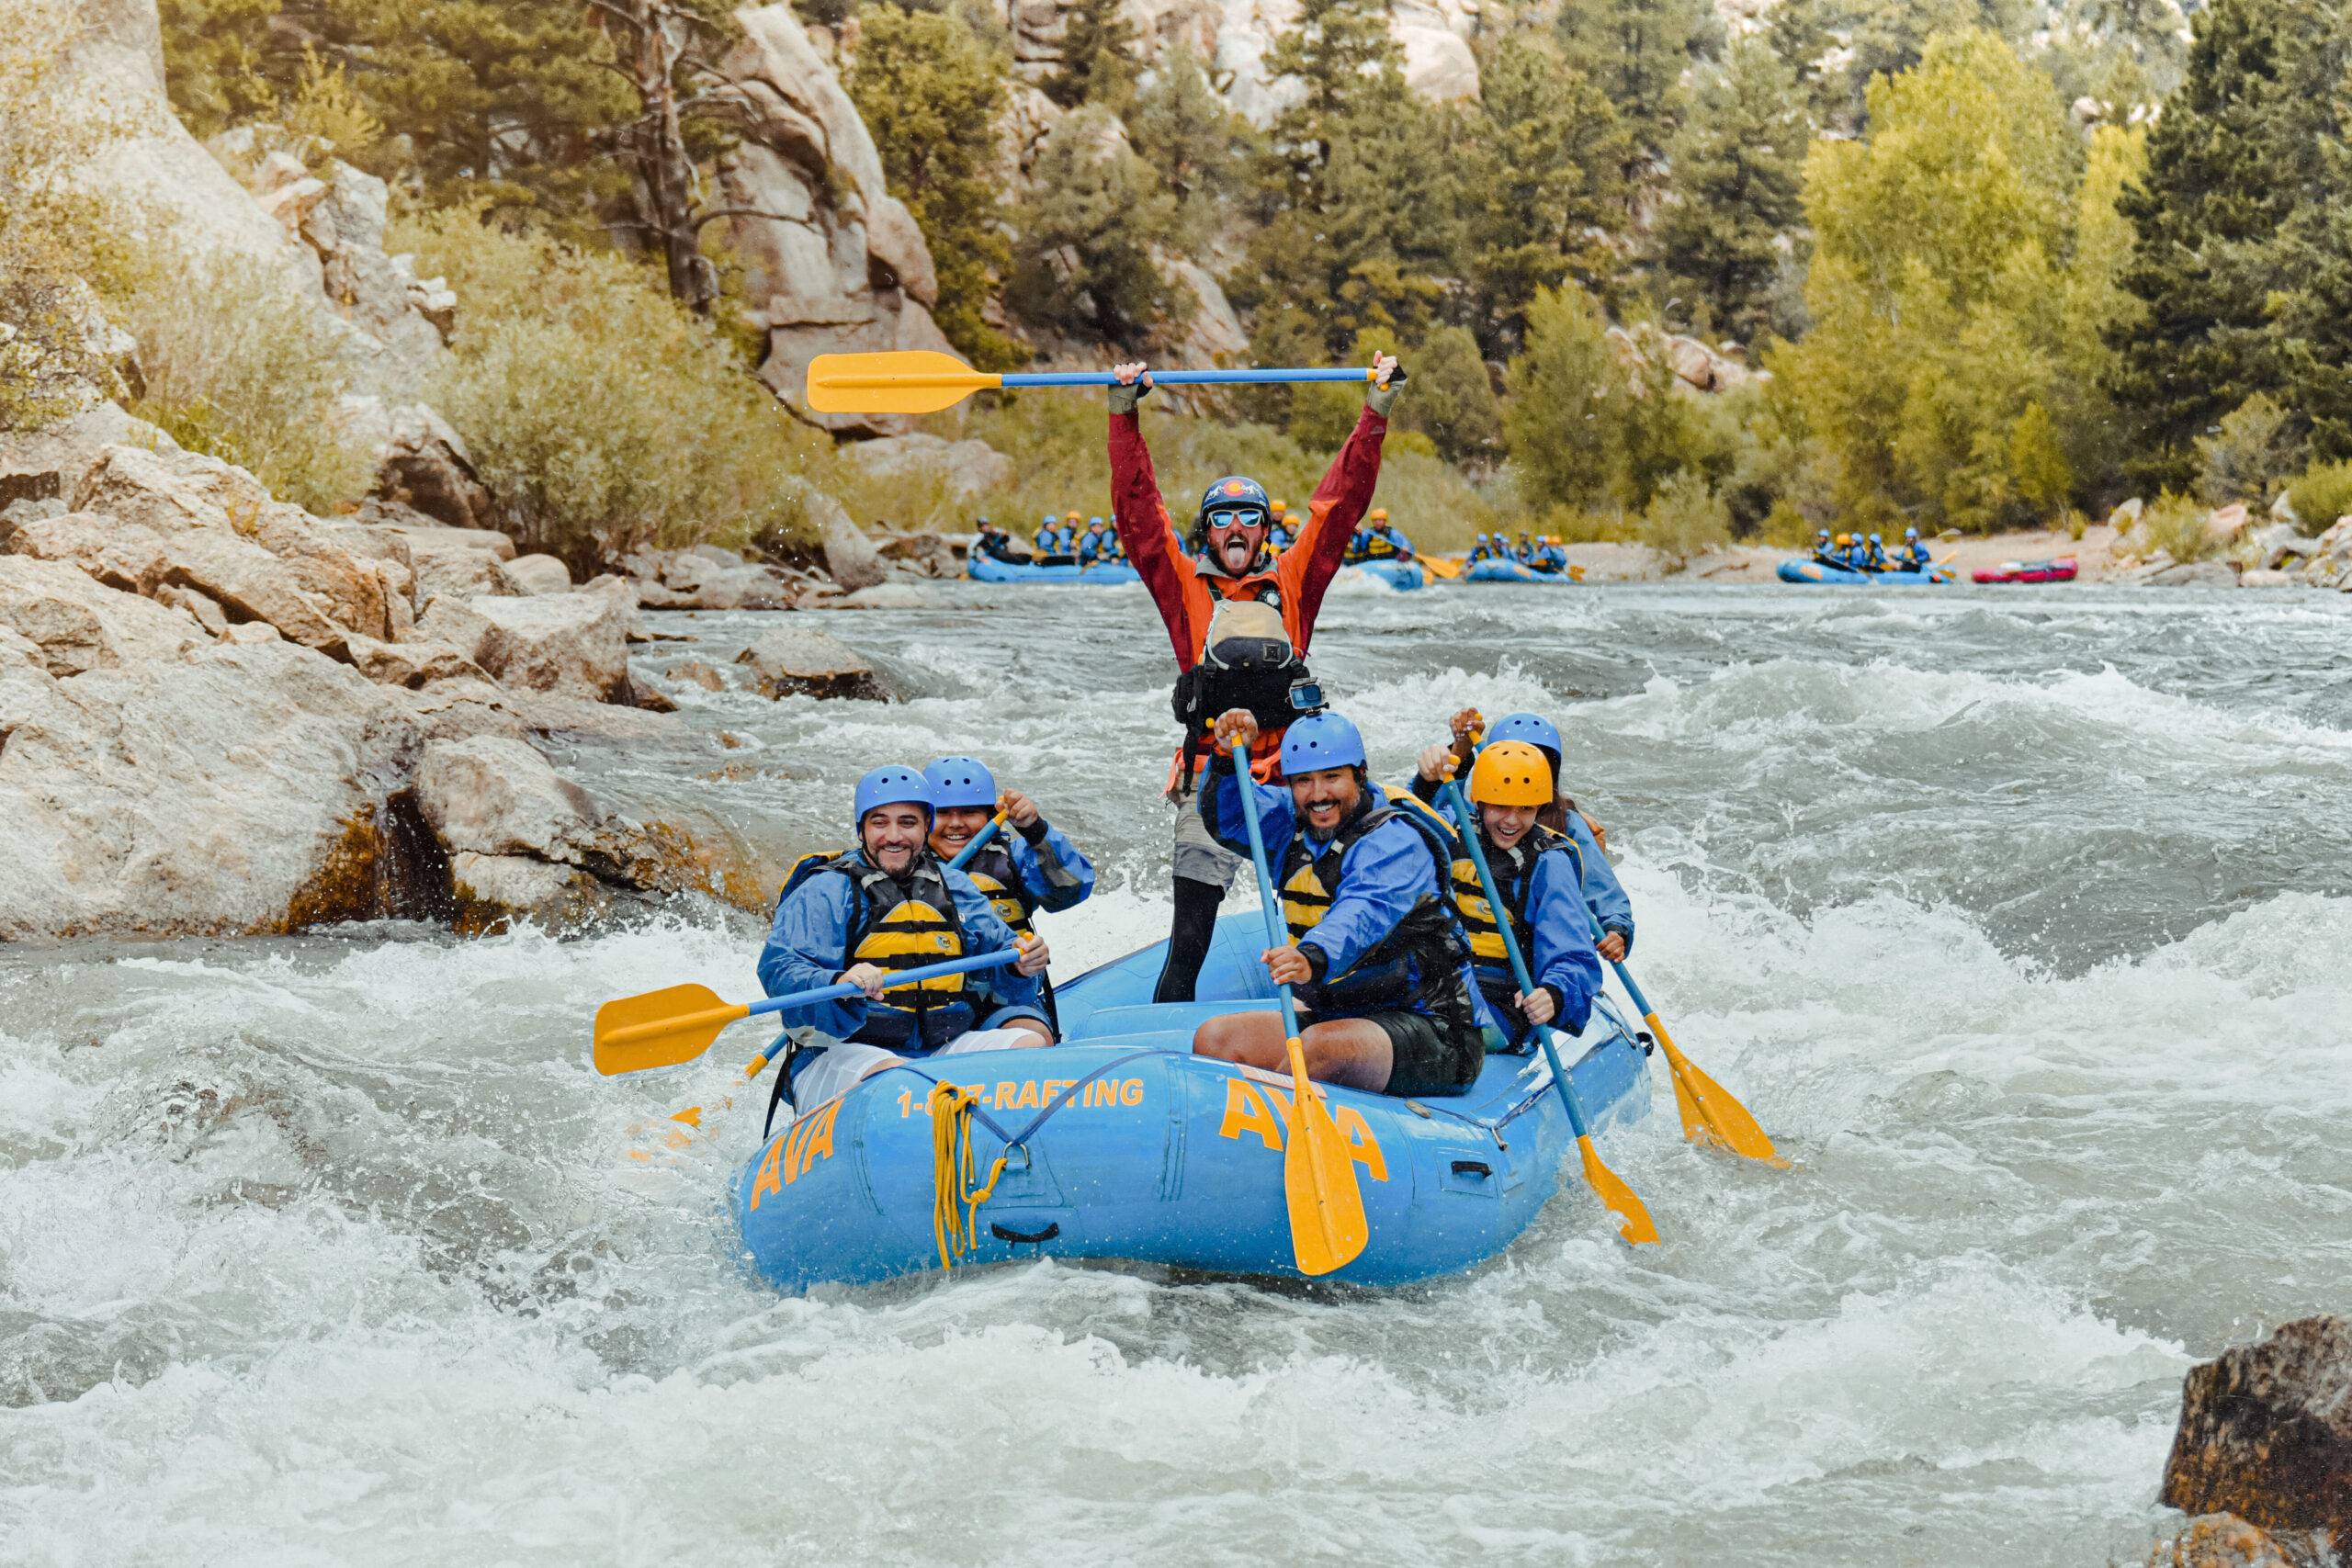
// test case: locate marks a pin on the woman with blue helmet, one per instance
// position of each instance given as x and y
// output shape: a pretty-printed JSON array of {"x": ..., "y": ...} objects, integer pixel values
[
  {"x": 1031, "y": 868},
  {"x": 889, "y": 904},
  {"x": 1376, "y": 960},
  {"x": 1603, "y": 894}
]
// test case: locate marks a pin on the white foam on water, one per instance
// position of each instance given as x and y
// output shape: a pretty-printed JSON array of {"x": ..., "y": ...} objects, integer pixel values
[{"x": 336, "y": 1250}]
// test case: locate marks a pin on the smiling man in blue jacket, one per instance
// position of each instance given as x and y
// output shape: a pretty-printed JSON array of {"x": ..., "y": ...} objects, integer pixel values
[
  {"x": 888, "y": 904},
  {"x": 1376, "y": 961}
]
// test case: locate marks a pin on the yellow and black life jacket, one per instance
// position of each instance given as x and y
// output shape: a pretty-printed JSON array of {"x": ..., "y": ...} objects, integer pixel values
[
  {"x": 1417, "y": 960},
  {"x": 901, "y": 923},
  {"x": 1514, "y": 871},
  {"x": 1379, "y": 547},
  {"x": 992, "y": 870}
]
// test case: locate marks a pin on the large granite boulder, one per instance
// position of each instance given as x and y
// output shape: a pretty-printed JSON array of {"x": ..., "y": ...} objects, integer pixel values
[
  {"x": 494, "y": 796},
  {"x": 850, "y": 556},
  {"x": 80, "y": 626},
  {"x": 842, "y": 266},
  {"x": 233, "y": 789},
  {"x": 571, "y": 644},
  {"x": 962, "y": 469}
]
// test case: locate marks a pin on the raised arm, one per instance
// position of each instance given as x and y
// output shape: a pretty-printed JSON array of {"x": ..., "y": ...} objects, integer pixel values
[
  {"x": 1143, "y": 528},
  {"x": 1338, "y": 504}
]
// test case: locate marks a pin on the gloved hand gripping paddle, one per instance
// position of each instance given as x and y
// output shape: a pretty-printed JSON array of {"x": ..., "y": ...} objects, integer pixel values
[
  {"x": 1635, "y": 1225},
  {"x": 1326, "y": 1223}
]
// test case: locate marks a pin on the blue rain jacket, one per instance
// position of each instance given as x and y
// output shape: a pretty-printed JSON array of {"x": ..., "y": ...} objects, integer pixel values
[
  {"x": 1092, "y": 545},
  {"x": 1383, "y": 875},
  {"x": 1055, "y": 541},
  {"x": 807, "y": 948},
  {"x": 1055, "y": 873}
]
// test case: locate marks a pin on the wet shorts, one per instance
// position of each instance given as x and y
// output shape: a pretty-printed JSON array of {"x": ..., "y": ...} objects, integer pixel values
[
  {"x": 1431, "y": 1054},
  {"x": 839, "y": 1067},
  {"x": 1200, "y": 858}
]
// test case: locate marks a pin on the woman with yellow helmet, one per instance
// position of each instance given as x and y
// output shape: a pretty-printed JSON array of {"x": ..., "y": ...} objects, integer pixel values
[{"x": 1540, "y": 876}]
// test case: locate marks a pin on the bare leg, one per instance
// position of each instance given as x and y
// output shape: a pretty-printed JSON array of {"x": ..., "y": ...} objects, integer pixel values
[{"x": 1346, "y": 1051}]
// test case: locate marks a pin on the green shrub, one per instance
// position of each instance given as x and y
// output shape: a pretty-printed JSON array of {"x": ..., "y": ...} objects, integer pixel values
[
  {"x": 236, "y": 365},
  {"x": 601, "y": 414},
  {"x": 1684, "y": 517},
  {"x": 2248, "y": 459},
  {"x": 2176, "y": 524},
  {"x": 2322, "y": 495}
]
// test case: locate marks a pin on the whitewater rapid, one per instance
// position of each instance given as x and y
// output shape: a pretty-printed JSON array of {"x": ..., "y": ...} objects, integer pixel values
[{"x": 2017, "y": 917}]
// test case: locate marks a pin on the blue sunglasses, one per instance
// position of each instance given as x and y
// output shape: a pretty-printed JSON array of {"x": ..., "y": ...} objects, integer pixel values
[{"x": 1251, "y": 518}]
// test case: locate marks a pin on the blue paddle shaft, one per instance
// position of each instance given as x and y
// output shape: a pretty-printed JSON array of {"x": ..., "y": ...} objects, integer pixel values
[
  {"x": 1184, "y": 378},
  {"x": 1502, "y": 912},
  {"x": 1266, "y": 904},
  {"x": 904, "y": 978},
  {"x": 978, "y": 839}
]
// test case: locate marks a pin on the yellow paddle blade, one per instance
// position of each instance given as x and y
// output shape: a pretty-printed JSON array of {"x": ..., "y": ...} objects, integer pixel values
[
  {"x": 1326, "y": 1223},
  {"x": 660, "y": 1028},
  {"x": 1438, "y": 566},
  {"x": 1617, "y": 1197},
  {"x": 907, "y": 381},
  {"x": 1709, "y": 1112}
]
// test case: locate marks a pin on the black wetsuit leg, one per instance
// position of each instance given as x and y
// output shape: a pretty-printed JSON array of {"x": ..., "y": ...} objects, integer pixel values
[{"x": 1188, "y": 939}]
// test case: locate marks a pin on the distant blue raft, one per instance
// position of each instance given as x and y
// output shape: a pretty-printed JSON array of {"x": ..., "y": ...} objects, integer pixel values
[
  {"x": 1491, "y": 570},
  {"x": 1402, "y": 575},
  {"x": 1125, "y": 1147},
  {"x": 1814, "y": 571},
  {"x": 988, "y": 569}
]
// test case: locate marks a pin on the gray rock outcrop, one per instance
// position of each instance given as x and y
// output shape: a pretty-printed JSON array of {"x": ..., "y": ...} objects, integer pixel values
[
  {"x": 834, "y": 263},
  {"x": 572, "y": 645},
  {"x": 2266, "y": 1434},
  {"x": 961, "y": 468},
  {"x": 234, "y": 789},
  {"x": 704, "y": 577},
  {"x": 789, "y": 662},
  {"x": 850, "y": 556}
]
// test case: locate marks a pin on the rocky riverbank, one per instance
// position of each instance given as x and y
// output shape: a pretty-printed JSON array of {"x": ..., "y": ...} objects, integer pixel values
[{"x": 222, "y": 714}]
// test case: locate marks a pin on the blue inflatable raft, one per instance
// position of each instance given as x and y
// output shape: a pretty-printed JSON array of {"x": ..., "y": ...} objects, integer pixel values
[
  {"x": 1402, "y": 575},
  {"x": 1814, "y": 571},
  {"x": 1510, "y": 571},
  {"x": 1125, "y": 1147},
  {"x": 988, "y": 569}
]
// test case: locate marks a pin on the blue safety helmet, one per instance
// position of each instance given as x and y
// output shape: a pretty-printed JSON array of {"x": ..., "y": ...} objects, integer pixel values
[
  {"x": 890, "y": 785},
  {"x": 1910, "y": 532},
  {"x": 1047, "y": 520},
  {"x": 1094, "y": 522},
  {"x": 1236, "y": 493},
  {"x": 960, "y": 780},
  {"x": 1534, "y": 729},
  {"x": 1876, "y": 540},
  {"x": 1324, "y": 740}
]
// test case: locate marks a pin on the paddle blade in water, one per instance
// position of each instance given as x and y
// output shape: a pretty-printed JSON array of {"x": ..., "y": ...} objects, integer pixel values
[
  {"x": 1709, "y": 1112},
  {"x": 907, "y": 381},
  {"x": 1617, "y": 1197},
  {"x": 1326, "y": 1223},
  {"x": 660, "y": 1028}
]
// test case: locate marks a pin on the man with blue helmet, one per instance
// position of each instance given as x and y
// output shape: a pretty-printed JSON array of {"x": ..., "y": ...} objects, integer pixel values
[
  {"x": 888, "y": 904},
  {"x": 1376, "y": 960},
  {"x": 1093, "y": 542},
  {"x": 1054, "y": 538},
  {"x": 1483, "y": 551},
  {"x": 1915, "y": 557},
  {"x": 1031, "y": 868},
  {"x": 1874, "y": 557},
  {"x": 1603, "y": 894},
  {"x": 1239, "y": 618}
]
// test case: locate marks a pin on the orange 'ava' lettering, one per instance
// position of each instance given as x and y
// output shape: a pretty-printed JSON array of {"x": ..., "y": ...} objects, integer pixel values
[
  {"x": 1245, "y": 1111},
  {"x": 767, "y": 1179}
]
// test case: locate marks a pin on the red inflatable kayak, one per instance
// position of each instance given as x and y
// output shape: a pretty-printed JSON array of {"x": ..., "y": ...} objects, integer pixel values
[{"x": 2061, "y": 570}]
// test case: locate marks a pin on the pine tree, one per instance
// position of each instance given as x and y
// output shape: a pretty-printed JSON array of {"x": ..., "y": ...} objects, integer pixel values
[
  {"x": 1738, "y": 167},
  {"x": 1356, "y": 197},
  {"x": 1083, "y": 263},
  {"x": 1180, "y": 125},
  {"x": 930, "y": 96},
  {"x": 2242, "y": 222},
  {"x": 1635, "y": 52},
  {"x": 1545, "y": 184},
  {"x": 1098, "y": 42}
]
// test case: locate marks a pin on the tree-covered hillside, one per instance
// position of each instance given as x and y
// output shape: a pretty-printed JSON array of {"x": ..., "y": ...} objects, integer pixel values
[{"x": 1998, "y": 260}]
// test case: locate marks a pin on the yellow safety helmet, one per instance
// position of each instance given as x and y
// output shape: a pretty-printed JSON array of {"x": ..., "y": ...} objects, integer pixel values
[
  {"x": 1845, "y": 538},
  {"x": 1072, "y": 518},
  {"x": 1380, "y": 514},
  {"x": 1511, "y": 772},
  {"x": 1280, "y": 507}
]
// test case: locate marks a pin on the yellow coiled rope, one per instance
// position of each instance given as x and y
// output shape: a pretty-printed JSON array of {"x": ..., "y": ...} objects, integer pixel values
[{"x": 953, "y": 1204}]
